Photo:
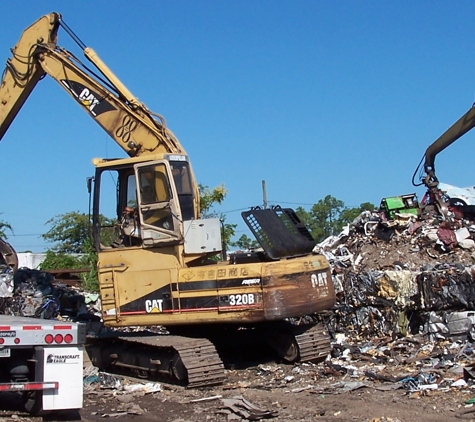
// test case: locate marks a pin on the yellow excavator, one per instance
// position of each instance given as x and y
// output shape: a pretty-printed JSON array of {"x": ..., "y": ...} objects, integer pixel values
[{"x": 158, "y": 266}]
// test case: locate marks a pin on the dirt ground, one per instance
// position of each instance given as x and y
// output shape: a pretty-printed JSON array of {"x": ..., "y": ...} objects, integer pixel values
[
  {"x": 281, "y": 393},
  {"x": 366, "y": 404}
]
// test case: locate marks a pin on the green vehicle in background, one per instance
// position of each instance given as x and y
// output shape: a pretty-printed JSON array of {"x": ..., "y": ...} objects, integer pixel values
[{"x": 403, "y": 204}]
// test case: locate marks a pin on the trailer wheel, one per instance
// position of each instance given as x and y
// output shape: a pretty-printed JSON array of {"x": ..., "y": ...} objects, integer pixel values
[{"x": 34, "y": 402}]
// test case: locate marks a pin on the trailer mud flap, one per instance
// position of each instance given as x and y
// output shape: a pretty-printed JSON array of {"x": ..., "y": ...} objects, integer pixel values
[{"x": 62, "y": 365}]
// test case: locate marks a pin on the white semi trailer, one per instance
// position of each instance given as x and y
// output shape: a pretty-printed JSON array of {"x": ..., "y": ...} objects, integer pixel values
[{"x": 44, "y": 360}]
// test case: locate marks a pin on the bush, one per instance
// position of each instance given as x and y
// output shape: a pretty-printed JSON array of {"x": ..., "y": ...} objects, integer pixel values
[{"x": 61, "y": 261}]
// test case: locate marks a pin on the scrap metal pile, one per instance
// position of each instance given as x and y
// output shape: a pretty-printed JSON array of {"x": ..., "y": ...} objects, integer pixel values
[
  {"x": 404, "y": 273},
  {"x": 35, "y": 293}
]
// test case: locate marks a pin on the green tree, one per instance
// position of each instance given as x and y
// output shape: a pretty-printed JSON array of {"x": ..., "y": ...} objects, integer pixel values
[
  {"x": 90, "y": 280},
  {"x": 329, "y": 215},
  {"x": 322, "y": 219},
  {"x": 227, "y": 231},
  {"x": 59, "y": 260},
  {"x": 208, "y": 199},
  {"x": 3, "y": 227},
  {"x": 245, "y": 242},
  {"x": 71, "y": 231},
  {"x": 349, "y": 214}
]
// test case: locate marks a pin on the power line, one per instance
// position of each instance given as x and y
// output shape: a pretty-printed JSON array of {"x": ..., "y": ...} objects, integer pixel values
[
  {"x": 303, "y": 203},
  {"x": 295, "y": 203},
  {"x": 17, "y": 247},
  {"x": 236, "y": 210},
  {"x": 26, "y": 235}
]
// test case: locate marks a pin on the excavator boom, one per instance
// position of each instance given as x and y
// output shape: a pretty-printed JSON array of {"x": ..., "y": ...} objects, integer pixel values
[
  {"x": 22, "y": 72},
  {"x": 136, "y": 129},
  {"x": 453, "y": 133},
  {"x": 133, "y": 127}
]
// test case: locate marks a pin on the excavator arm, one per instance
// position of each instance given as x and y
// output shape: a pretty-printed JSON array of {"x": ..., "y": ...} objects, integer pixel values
[
  {"x": 133, "y": 127},
  {"x": 22, "y": 73},
  {"x": 454, "y": 132}
]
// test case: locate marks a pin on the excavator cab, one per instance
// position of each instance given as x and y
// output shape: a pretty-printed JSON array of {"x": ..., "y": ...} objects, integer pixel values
[
  {"x": 148, "y": 210},
  {"x": 154, "y": 207}
]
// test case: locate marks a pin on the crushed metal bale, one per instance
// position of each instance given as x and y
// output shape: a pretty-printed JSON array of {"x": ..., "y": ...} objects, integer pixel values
[{"x": 404, "y": 273}]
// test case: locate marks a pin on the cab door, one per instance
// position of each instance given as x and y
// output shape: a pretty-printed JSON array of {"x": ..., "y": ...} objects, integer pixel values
[{"x": 157, "y": 203}]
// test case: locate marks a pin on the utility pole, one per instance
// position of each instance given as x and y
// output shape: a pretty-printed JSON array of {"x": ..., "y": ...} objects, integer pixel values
[{"x": 264, "y": 194}]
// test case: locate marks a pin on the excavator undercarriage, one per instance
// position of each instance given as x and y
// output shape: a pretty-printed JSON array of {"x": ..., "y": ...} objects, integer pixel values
[{"x": 199, "y": 362}]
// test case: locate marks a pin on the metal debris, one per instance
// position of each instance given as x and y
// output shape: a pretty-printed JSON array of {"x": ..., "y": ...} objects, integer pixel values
[
  {"x": 35, "y": 293},
  {"x": 245, "y": 409}
]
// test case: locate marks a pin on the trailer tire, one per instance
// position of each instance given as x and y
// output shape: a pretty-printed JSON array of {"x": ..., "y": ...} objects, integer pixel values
[{"x": 34, "y": 403}]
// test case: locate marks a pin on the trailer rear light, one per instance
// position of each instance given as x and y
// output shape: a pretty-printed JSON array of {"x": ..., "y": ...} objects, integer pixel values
[
  {"x": 58, "y": 338},
  {"x": 49, "y": 338},
  {"x": 68, "y": 338},
  {"x": 2, "y": 340},
  {"x": 62, "y": 327},
  {"x": 17, "y": 340}
]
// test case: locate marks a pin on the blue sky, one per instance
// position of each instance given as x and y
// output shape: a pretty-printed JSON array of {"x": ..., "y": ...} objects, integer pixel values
[{"x": 314, "y": 97}]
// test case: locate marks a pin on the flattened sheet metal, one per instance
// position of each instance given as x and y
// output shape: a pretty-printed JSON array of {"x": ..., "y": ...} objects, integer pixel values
[{"x": 199, "y": 356}]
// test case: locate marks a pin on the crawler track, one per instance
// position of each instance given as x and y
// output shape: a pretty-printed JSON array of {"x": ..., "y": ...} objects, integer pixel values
[
  {"x": 184, "y": 360},
  {"x": 313, "y": 344},
  {"x": 194, "y": 362},
  {"x": 198, "y": 356},
  {"x": 299, "y": 343}
]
